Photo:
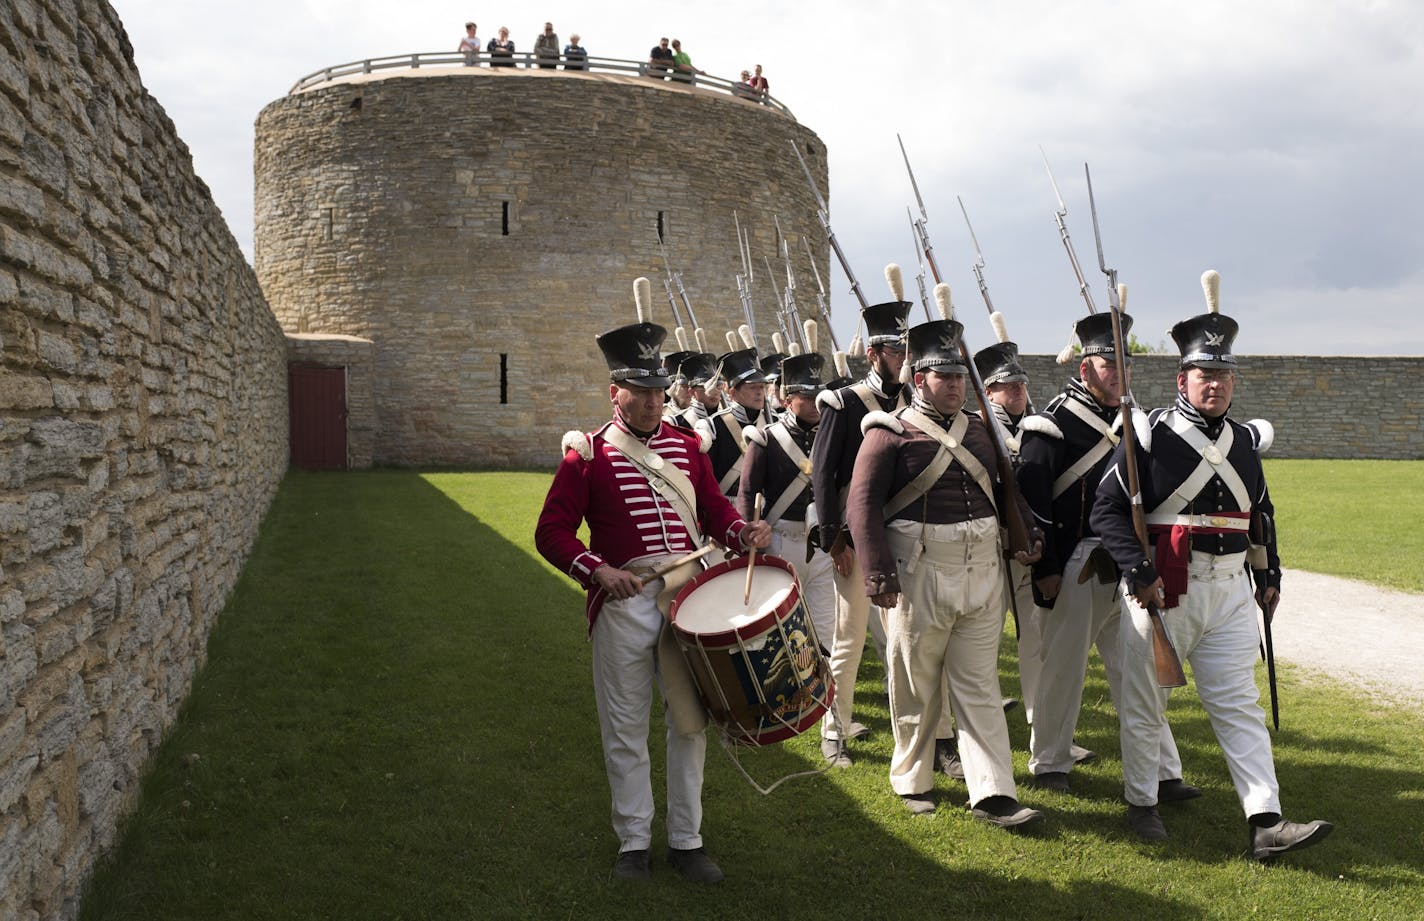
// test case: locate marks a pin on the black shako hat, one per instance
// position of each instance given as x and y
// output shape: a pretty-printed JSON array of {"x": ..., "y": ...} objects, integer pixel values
[
  {"x": 803, "y": 373},
  {"x": 740, "y": 367},
  {"x": 771, "y": 365},
  {"x": 934, "y": 346},
  {"x": 673, "y": 361},
  {"x": 885, "y": 324},
  {"x": 1095, "y": 333},
  {"x": 698, "y": 368},
  {"x": 1205, "y": 341},
  {"x": 999, "y": 364},
  {"x": 632, "y": 355}
]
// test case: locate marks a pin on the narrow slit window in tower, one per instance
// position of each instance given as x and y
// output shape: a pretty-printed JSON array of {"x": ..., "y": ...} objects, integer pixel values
[
  {"x": 661, "y": 239},
  {"x": 503, "y": 378},
  {"x": 504, "y": 225}
]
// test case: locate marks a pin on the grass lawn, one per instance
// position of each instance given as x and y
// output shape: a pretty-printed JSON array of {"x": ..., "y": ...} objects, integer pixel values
[
  {"x": 396, "y": 721},
  {"x": 1357, "y": 519}
]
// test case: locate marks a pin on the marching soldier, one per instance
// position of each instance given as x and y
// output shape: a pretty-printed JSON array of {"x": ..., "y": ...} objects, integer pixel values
[
  {"x": 923, "y": 510},
  {"x": 746, "y": 388},
  {"x": 832, "y": 461},
  {"x": 1065, "y": 450},
  {"x": 648, "y": 496},
  {"x": 699, "y": 370},
  {"x": 679, "y": 396},
  {"x": 778, "y": 465},
  {"x": 1201, "y": 482},
  {"x": 771, "y": 369}
]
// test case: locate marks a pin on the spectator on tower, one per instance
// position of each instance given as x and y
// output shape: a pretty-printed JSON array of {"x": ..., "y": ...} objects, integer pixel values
[
  {"x": 546, "y": 47},
  {"x": 660, "y": 60},
  {"x": 575, "y": 55},
  {"x": 683, "y": 71},
  {"x": 760, "y": 84},
  {"x": 470, "y": 45},
  {"x": 743, "y": 87},
  {"x": 501, "y": 50}
]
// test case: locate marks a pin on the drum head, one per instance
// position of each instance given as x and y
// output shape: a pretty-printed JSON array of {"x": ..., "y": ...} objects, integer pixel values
[{"x": 712, "y": 603}]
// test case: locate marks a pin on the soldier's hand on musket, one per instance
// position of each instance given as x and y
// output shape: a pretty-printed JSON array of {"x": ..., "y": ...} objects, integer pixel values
[
  {"x": 1029, "y": 557},
  {"x": 886, "y": 600},
  {"x": 756, "y": 535},
  {"x": 844, "y": 559},
  {"x": 1268, "y": 598},
  {"x": 1150, "y": 594},
  {"x": 618, "y": 583},
  {"x": 1048, "y": 586}
]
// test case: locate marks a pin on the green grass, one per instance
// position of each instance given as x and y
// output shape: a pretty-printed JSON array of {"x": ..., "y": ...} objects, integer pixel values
[
  {"x": 396, "y": 721},
  {"x": 1357, "y": 519}
]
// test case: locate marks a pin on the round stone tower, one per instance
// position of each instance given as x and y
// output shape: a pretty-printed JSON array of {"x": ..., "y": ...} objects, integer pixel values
[{"x": 482, "y": 225}]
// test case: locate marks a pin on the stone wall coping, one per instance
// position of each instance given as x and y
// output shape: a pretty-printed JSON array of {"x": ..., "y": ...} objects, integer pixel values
[{"x": 329, "y": 337}]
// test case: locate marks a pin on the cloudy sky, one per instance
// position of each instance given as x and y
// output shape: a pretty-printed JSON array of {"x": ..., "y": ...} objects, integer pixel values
[{"x": 1270, "y": 140}]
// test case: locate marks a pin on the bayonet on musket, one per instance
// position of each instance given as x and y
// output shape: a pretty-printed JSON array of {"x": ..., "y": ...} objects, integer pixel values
[
  {"x": 920, "y": 275},
  {"x": 780, "y": 304},
  {"x": 1098, "y": 238},
  {"x": 1059, "y": 216},
  {"x": 978, "y": 258},
  {"x": 824, "y": 215},
  {"x": 793, "y": 316},
  {"x": 821, "y": 296},
  {"x": 744, "y": 284},
  {"x": 667, "y": 284}
]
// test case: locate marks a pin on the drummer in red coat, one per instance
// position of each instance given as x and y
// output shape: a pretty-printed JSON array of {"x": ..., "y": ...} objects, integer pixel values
[{"x": 648, "y": 494}]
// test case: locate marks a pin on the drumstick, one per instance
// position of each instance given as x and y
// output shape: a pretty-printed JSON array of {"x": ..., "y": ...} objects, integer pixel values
[
  {"x": 673, "y": 564},
  {"x": 751, "y": 555}
]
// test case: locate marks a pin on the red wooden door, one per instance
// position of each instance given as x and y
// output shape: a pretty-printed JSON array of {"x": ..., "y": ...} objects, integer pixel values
[{"x": 317, "y": 414}]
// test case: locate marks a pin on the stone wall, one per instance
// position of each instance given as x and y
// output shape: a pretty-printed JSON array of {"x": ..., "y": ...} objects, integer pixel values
[
  {"x": 1321, "y": 407},
  {"x": 142, "y": 436},
  {"x": 481, "y": 226},
  {"x": 358, "y": 357}
]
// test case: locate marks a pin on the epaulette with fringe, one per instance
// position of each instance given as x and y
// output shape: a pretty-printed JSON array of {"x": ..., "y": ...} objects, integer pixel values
[
  {"x": 574, "y": 440},
  {"x": 752, "y": 433},
  {"x": 831, "y": 398},
  {"x": 1263, "y": 434},
  {"x": 705, "y": 435}
]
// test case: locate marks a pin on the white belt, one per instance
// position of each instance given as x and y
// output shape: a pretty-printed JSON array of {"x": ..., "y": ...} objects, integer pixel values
[{"x": 1220, "y": 522}]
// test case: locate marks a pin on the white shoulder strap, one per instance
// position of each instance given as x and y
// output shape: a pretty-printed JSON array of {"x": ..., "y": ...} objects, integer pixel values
[
  {"x": 1097, "y": 452},
  {"x": 665, "y": 477},
  {"x": 803, "y": 476},
  {"x": 1213, "y": 463}
]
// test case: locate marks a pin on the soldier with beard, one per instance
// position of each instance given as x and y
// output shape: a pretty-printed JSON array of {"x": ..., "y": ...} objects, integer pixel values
[{"x": 1064, "y": 452}]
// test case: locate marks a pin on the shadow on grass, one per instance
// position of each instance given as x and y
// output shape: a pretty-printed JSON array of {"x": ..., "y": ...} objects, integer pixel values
[{"x": 397, "y": 721}]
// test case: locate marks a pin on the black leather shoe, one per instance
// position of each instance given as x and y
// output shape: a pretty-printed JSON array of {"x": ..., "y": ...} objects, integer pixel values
[
  {"x": 1284, "y": 836},
  {"x": 1146, "y": 823},
  {"x": 633, "y": 865},
  {"x": 1176, "y": 790},
  {"x": 1057, "y": 781},
  {"x": 1005, "y": 812},
  {"x": 694, "y": 865},
  {"x": 947, "y": 758},
  {"x": 1010, "y": 704}
]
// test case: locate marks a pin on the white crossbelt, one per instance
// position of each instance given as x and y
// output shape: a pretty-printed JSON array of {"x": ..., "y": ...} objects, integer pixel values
[
  {"x": 1213, "y": 463},
  {"x": 803, "y": 472},
  {"x": 1220, "y": 522},
  {"x": 1097, "y": 452},
  {"x": 951, "y": 448}
]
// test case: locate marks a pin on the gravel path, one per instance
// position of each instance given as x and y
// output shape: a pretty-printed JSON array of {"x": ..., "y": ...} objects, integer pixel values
[{"x": 1353, "y": 632}]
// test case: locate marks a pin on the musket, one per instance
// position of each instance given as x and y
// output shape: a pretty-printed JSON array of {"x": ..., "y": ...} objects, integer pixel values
[
  {"x": 793, "y": 316},
  {"x": 1165, "y": 660},
  {"x": 821, "y": 297},
  {"x": 682, "y": 291},
  {"x": 667, "y": 284},
  {"x": 744, "y": 283},
  {"x": 780, "y": 304},
  {"x": 824, "y": 215},
  {"x": 1018, "y": 538},
  {"x": 978, "y": 258},
  {"x": 920, "y": 275},
  {"x": 920, "y": 225},
  {"x": 1059, "y": 216}
]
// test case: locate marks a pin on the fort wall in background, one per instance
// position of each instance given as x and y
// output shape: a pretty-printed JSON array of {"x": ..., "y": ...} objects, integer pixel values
[{"x": 143, "y": 431}]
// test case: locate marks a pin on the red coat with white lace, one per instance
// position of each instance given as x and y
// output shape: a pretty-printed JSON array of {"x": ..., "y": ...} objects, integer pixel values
[{"x": 626, "y": 518}]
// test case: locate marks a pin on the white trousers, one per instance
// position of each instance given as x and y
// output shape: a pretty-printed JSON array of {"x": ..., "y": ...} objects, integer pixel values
[
  {"x": 1082, "y": 616},
  {"x": 853, "y": 617},
  {"x": 948, "y": 622},
  {"x": 1214, "y": 628},
  {"x": 818, "y": 585},
  {"x": 625, "y": 670},
  {"x": 1030, "y": 634}
]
